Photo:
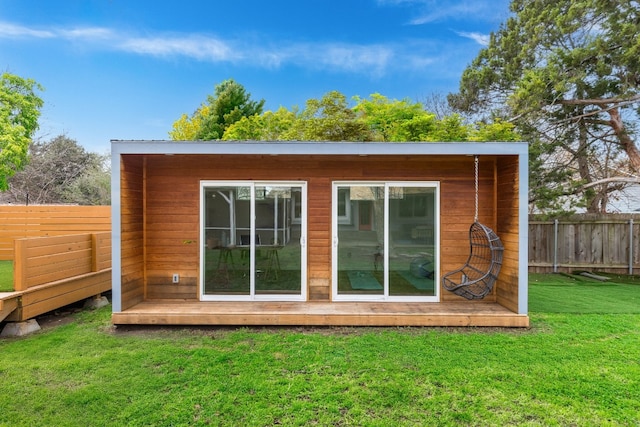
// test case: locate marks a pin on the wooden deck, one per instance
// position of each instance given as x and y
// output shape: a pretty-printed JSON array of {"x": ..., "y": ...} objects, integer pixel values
[{"x": 172, "y": 312}]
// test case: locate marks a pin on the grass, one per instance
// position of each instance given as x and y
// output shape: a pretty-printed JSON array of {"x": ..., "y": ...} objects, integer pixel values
[
  {"x": 577, "y": 365},
  {"x": 580, "y": 295},
  {"x": 6, "y": 276}
]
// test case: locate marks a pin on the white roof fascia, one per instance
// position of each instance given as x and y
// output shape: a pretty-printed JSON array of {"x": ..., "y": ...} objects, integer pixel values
[{"x": 318, "y": 148}]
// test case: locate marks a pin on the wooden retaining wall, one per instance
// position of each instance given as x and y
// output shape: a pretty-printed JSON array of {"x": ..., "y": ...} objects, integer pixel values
[{"x": 19, "y": 222}]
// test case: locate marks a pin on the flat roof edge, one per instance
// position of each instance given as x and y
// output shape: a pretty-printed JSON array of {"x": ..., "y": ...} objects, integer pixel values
[{"x": 316, "y": 148}]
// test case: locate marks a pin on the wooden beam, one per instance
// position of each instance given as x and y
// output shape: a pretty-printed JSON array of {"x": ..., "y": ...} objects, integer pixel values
[{"x": 9, "y": 302}]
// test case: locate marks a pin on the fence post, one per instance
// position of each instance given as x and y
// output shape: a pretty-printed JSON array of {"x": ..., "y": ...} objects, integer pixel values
[
  {"x": 94, "y": 252},
  {"x": 555, "y": 245},
  {"x": 631, "y": 246},
  {"x": 19, "y": 265}
]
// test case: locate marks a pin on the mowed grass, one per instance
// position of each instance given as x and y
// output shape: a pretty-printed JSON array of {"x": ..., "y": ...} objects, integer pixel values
[
  {"x": 6, "y": 276},
  {"x": 581, "y": 295},
  {"x": 576, "y": 365}
]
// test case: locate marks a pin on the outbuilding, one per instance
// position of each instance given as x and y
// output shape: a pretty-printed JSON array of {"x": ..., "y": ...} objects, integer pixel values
[{"x": 313, "y": 233}]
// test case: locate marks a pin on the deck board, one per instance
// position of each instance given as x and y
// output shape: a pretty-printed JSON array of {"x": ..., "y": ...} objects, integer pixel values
[{"x": 319, "y": 314}]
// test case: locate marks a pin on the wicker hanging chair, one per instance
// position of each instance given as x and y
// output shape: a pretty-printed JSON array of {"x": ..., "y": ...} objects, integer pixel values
[{"x": 475, "y": 279}]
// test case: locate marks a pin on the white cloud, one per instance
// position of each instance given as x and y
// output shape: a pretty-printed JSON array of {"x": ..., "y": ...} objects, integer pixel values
[
  {"x": 481, "y": 39},
  {"x": 372, "y": 60},
  {"x": 439, "y": 11},
  {"x": 428, "y": 11},
  {"x": 196, "y": 47},
  {"x": 87, "y": 33},
  {"x": 13, "y": 31},
  {"x": 8, "y": 30}
]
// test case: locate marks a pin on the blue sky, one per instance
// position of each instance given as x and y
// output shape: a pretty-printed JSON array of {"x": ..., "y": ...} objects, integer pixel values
[{"x": 127, "y": 69}]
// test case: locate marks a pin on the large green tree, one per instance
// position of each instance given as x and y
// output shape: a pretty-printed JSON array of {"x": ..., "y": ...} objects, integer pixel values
[
  {"x": 230, "y": 103},
  {"x": 19, "y": 113},
  {"x": 567, "y": 73}
]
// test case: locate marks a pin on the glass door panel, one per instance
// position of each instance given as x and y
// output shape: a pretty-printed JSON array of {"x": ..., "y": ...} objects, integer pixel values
[
  {"x": 227, "y": 216},
  {"x": 411, "y": 239},
  {"x": 385, "y": 240},
  {"x": 359, "y": 251},
  {"x": 254, "y": 236},
  {"x": 278, "y": 252}
]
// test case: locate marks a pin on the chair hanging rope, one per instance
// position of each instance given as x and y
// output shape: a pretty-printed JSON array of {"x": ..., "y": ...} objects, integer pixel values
[
  {"x": 475, "y": 164},
  {"x": 475, "y": 279}
]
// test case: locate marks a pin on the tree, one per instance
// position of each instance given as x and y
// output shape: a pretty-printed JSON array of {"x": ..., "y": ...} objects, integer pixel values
[
  {"x": 378, "y": 118},
  {"x": 394, "y": 120},
  {"x": 19, "y": 113},
  {"x": 438, "y": 104},
  {"x": 186, "y": 128},
  {"x": 230, "y": 103},
  {"x": 93, "y": 186},
  {"x": 60, "y": 171},
  {"x": 567, "y": 73},
  {"x": 269, "y": 126},
  {"x": 329, "y": 119}
]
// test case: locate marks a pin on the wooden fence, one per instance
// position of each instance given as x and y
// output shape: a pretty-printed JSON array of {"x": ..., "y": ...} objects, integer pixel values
[
  {"x": 609, "y": 243},
  {"x": 19, "y": 222},
  {"x": 42, "y": 260},
  {"x": 51, "y": 272}
]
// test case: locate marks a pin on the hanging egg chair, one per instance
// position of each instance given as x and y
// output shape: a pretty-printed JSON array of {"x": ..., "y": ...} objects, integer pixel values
[{"x": 475, "y": 279}]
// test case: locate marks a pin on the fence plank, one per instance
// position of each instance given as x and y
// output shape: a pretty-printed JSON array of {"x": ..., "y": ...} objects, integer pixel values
[{"x": 19, "y": 222}]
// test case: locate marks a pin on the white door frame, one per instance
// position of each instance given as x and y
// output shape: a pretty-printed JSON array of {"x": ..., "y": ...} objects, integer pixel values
[
  {"x": 252, "y": 248},
  {"x": 336, "y": 221}
]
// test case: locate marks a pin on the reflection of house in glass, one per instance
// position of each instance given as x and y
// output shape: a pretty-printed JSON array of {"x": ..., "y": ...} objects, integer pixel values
[
  {"x": 312, "y": 233},
  {"x": 382, "y": 229},
  {"x": 253, "y": 236}
]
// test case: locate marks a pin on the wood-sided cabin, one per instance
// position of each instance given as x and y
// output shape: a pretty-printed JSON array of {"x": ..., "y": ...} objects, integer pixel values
[{"x": 313, "y": 233}]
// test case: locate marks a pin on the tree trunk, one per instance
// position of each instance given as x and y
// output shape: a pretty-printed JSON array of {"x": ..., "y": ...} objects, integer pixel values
[
  {"x": 626, "y": 142},
  {"x": 582, "y": 158}
]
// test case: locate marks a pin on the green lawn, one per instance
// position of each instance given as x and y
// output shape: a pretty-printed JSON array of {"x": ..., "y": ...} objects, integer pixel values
[
  {"x": 580, "y": 295},
  {"x": 6, "y": 276},
  {"x": 577, "y": 365}
]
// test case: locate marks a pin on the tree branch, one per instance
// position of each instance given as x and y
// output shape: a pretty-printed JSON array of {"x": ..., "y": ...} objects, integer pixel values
[
  {"x": 627, "y": 180},
  {"x": 620, "y": 102}
]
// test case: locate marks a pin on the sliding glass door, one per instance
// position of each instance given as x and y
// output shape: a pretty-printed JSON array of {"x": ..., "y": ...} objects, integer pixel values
[
  {"x": 358, "y": 249},
  {"x": 253, "y": 236},
  {"x": 385, "y": 238}
]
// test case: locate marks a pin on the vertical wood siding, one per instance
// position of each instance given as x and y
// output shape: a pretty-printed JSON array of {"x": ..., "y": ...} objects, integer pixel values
[
  {"x": 507, "y": 228},
  {"x": 132, "y": 234},
  {"x": 168, "y": 230}
]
